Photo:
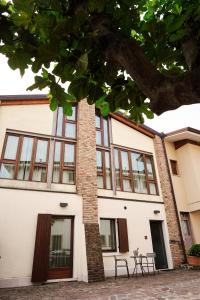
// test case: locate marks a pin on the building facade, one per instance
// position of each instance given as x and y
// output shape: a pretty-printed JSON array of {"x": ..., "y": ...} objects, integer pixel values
[
  {"x": 75, "y": 191},
  {"x": 183, "y": 153}
]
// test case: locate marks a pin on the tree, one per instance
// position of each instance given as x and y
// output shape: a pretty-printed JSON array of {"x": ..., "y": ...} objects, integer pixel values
[{"x": 117, "y": 53}]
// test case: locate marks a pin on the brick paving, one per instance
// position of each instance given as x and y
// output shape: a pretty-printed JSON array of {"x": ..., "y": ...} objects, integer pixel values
[{"x": 173, "y": 285}]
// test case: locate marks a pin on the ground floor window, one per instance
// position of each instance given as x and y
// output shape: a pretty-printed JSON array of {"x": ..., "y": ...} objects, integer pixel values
[
  {"x": 112, "y": 236},
  {"x": 108, "y": 234}
]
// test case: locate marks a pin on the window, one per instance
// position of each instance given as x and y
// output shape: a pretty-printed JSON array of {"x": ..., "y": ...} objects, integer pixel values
[
  {"x": 103, "y": 169},
  {"x": 66, "y": 125},
  {"x": 174, "y": 167},
  {"x": 102, "y": 133},
  {"x": 134, "y": 172},
  {"x": 24, "y": 158},
  {"x": 64, "y": 163},
  {"x": 108, "y": 234},
  {"x": 103, "y": 153}
]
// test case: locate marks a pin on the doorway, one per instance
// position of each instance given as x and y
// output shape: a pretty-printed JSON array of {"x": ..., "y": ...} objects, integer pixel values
[
  {"x": 158, "y": 244},
  {"x": 61, "y": 248}
]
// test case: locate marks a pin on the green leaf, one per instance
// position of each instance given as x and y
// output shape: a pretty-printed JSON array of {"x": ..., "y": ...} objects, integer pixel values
[
  {"x": 100, "y": 101},
  {"x": 67, "y": 108},
  {"x": 79, "y": 88},
  {"x": 53, "y": 104},
  {"x": 82, "y": 63},
  {"x": 178, "y": 35}
]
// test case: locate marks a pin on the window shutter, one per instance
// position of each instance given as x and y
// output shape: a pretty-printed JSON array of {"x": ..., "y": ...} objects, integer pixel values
[
  {"x": 123, "y": 235},
  {"x": 41, "y": 254}
]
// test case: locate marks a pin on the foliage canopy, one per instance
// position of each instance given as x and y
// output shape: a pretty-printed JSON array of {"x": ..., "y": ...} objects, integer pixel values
[{"x": 117, "y": 53}]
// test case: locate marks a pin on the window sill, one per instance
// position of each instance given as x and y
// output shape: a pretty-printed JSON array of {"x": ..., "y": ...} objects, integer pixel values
[{"x": 38, "y": 186}]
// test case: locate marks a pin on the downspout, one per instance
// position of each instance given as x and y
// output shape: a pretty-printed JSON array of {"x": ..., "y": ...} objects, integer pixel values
[{"x": 162, "y": 135}]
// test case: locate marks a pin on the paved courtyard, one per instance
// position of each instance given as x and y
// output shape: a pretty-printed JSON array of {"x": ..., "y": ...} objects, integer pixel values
[{"x": 167, "y": 285}]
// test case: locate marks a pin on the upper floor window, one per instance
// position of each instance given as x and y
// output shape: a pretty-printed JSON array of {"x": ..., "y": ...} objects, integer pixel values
[
  {"x": 174, "y": 167},
  {"x": 103, "y": 169},
  {"x": 24, "y": 158},
  {"x": 64, "y": 163},
  {"x": 102, "y": 154},
  {"x": 134, "y": 172},
  {"x": 66, "y": 125},
  {"x": 102, "y": 131}
]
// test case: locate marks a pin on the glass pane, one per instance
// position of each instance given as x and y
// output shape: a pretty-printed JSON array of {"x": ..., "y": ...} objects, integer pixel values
[
  {"x": 60, "y": 251},
  {"x": 125, "y": 163},
  {"x": 39, "y": 174},
  {"x": 107, "y": 166},
  {"x": 68, "y": 177},
  {"x": 70, "y": 130},
  {"x": 73, "y": 116},
  {"x": 98, "y": 122},
  {"x": 99, "y": 161},
  {"x": 138, "y": 168},
  {"x": 107, "y": 232},
  {"x": 127, "y": 185},
  {"x": 41, "y": 152},
  {"x": 7, "y": 171},
  {"x": 59, "y": 122},
  {"x": 69, "y": 155},
  {"x": 56, "y": 172},
  {"x": 11, "y": 147},
  {"x": 57, "y": 152},
  {"x": 105, "y": 128},
  {"x": 25, "y": 159},
  {"x": 118, "y": 187},
  {"x": 117, "y": 169},
  {"x": 100, "y": 182},
  {"x": 56, "y": 166},
  {"x": 185, "y": 227},
  {"x": 149, "y": 168},
  {"x": 140, "y": 184},
  {"x": 152, "y": 188},
  {"x": 98, "y": 137}
]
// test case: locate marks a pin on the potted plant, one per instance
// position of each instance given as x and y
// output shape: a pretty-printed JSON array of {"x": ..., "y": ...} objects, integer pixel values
[{"x": 194, "y": 255}]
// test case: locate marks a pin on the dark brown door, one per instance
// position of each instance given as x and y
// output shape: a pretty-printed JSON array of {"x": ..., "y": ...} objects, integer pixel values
[
  {"x": 61, "y": 248},
  {"x": 158, "y": 244}
]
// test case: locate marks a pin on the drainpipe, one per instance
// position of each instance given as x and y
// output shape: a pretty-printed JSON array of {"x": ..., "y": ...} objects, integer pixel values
[{"x": 173, "y": 195}]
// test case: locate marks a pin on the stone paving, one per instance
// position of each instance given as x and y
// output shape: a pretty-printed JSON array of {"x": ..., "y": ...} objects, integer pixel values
[{"x": 173, "y": 285}]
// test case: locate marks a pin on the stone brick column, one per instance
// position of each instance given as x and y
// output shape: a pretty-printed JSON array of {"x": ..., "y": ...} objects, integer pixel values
[
  {"x": 86, "y": 183},
  {"x": 175, "y": 237}
]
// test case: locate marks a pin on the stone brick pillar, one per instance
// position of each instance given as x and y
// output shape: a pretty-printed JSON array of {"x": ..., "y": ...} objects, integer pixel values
[
  {"x": 175, "y": 237},
  {"x": 86, "y": 183}
]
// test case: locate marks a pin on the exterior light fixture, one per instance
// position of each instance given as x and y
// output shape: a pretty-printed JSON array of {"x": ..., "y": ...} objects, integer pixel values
[
  {"x": 156, "y": 212},
  {"x": 63, "y": 204}
]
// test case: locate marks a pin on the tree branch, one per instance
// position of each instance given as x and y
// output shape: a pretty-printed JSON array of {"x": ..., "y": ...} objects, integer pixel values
[{"x": 165, "y": 93}]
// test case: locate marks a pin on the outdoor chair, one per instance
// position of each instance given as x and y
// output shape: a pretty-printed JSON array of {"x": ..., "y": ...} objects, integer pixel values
[
  {"x": 149, "y": 262},
  {"x": 121, "y": 263}
]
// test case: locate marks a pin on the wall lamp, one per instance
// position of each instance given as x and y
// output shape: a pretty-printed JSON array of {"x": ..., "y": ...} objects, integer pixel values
[
  {"x": 156, "y": 212},
  {"x": 63, "y": 204}
]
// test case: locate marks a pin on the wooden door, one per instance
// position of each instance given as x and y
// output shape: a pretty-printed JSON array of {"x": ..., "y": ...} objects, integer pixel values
[
  {"x": 61, "y": 248},
  {"x": 158, "y": 244}
]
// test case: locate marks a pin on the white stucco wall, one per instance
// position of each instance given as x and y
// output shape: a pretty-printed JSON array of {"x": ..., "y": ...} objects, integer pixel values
[
  {"x": 18, "y": 220},
  {"x": 178, "y": 180},
  {"x": 189, "y": 161},
  {"x": 31, "y": 118},
  {"x": 138, "y": 215}
]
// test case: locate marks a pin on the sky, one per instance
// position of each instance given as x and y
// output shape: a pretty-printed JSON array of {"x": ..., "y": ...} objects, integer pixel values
[{"x": 11, "y": 83}]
